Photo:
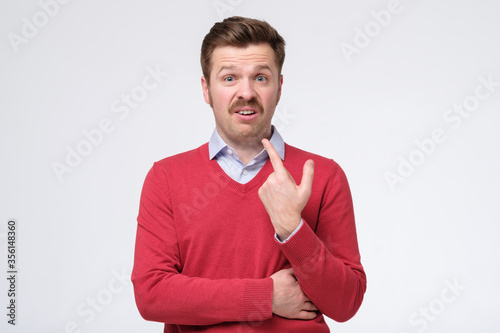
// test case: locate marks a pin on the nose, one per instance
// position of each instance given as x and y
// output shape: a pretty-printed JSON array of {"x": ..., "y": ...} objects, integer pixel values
[{"x": 246, "y": 90}]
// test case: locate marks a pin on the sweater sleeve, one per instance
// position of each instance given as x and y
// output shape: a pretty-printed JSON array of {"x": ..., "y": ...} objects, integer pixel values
[
  {"x": 166, "y": 295},
  {"x": 326, "y": 262}
]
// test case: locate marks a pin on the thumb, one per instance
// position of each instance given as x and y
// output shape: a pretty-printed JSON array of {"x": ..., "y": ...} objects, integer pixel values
[{"x": 307, "y": 176}]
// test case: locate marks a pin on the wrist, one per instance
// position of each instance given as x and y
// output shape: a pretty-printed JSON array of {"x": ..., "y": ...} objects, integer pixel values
[
  {"x": 283, "y": 233},
  {"x": 282, "y": 236}
]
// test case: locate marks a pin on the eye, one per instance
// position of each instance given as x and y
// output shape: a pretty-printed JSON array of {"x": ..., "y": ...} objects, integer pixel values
[
  {"x": 229, "y": 78},
  {"x": 261, "y": 78}
]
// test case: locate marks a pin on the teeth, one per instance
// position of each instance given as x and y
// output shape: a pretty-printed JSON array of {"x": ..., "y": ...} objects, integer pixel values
[{"x": 246, "y": 112}]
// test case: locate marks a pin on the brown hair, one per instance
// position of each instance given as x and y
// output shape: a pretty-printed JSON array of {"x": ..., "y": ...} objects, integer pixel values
[{"x": 240, "y": 32}]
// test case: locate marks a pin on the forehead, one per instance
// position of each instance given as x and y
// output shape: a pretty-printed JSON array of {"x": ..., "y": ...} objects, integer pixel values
[{"x": 250, "y": 56}]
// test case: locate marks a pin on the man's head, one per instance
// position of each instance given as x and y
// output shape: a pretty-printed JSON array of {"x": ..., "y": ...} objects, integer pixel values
[
  {"x": 240, "y": 32},
  {"x": 241, "y": 61}
]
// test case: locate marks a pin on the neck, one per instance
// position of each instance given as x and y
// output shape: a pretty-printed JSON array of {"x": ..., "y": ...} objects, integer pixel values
[
  {"x": 247, "y": 153},
  {"x": 247, "y": 149}
]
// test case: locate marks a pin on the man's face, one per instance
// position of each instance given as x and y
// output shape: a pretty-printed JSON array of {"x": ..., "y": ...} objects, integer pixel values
[{"x": 244, "y": 89}]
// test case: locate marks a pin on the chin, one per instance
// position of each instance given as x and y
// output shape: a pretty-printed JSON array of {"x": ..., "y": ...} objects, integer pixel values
[{"x": 247, "y": 137}]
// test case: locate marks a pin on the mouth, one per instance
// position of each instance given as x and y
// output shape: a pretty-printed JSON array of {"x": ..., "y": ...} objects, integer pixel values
[{"x": 246, "y": 112}]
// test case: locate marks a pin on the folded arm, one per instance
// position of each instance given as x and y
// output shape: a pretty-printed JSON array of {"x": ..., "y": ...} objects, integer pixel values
[
  {"x": 325, "y": 261},
  {"x": 166, "y": 295}
]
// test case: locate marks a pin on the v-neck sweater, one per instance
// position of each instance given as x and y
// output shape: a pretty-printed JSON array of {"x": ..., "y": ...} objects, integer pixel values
[{"x": 205, "y": 247}]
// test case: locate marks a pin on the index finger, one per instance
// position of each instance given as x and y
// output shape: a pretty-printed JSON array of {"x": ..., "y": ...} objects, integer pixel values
[{"x": 273, "y": 155}]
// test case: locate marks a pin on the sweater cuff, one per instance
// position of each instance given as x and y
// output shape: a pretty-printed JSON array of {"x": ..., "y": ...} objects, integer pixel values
[
  {"x": 293, "y": 233},
  {"x": 302, "y": 247},
  {"x": 257, "y": 300}
]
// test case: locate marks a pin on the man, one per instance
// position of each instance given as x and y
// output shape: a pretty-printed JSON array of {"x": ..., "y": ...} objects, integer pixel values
[{"x": 226, "y": 239}]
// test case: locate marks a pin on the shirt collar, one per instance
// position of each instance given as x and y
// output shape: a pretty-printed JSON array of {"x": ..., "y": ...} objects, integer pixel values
[{"x": 216, "y": 144}]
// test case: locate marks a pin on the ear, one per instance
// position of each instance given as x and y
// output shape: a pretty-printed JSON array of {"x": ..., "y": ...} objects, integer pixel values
[
  {"x": 204, "y": 86},
  {"x": 279, "y": 88}
]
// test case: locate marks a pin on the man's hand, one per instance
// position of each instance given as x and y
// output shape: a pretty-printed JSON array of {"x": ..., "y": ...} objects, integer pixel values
[
  {"x": 281, "y": 196},
  {"x": 289, "y": 300}
]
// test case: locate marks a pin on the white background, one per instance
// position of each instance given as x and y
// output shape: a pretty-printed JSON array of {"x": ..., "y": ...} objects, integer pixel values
[{"x": 365, "y": 110}]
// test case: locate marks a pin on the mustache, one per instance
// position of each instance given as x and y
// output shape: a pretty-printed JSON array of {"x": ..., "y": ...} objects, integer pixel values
[{"x": 251, "y": 103}]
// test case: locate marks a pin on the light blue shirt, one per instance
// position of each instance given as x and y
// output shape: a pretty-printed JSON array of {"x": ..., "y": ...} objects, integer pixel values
[{"x": 229, "y": 161}]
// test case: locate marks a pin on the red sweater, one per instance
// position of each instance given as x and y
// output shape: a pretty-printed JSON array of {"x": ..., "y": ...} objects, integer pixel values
[{"x": 205, "y": 248}]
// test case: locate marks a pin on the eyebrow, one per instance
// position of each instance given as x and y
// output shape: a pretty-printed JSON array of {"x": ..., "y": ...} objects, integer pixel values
[
  {"x": 263, "y": 67},
  {"x": 232, "y": 67},
  {"x": 226, "y": 68}
]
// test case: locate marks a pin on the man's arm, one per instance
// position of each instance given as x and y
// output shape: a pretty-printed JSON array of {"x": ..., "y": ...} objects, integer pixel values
[
  {"x": 326, "y": 261},
  {"x": 166, "y": 295}
]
